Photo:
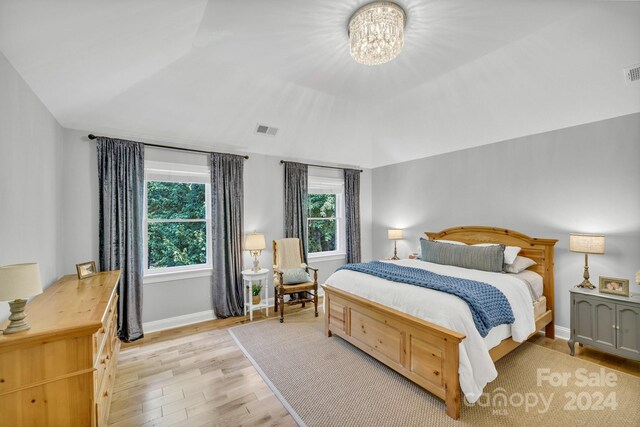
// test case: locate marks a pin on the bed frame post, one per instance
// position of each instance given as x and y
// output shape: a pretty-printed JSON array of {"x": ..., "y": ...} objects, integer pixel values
[
  {"x": 452, "y": 382},
  {"x": 327, "y": 310},
  {"x": 549, "y": 290}
]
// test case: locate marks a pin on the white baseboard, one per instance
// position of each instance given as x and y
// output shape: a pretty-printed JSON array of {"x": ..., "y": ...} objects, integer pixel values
[
  {"x": 562, "y": 332},
  {"x": 187, "y": 319},
  {"x": 176, "y": 322}
]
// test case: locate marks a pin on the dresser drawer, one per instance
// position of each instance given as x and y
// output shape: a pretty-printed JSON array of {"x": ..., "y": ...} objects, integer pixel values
[
  {"x": 100, "y": 338},
  {"x": 105, "y": 355},
  {"x": 103, "y": 395}
]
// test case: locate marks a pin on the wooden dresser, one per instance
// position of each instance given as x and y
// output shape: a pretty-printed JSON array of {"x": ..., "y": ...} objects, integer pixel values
[{"x": 61, "y": 371}]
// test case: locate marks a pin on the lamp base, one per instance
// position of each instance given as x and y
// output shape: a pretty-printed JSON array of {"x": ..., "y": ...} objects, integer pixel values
[
  {"x": 17, "y": 322},
  {"x": 256, "y": 265},
  {"x": 395, "y": 252},
  {"x": 586, "y": 284}
]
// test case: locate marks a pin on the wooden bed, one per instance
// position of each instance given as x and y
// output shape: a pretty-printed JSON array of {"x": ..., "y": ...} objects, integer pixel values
[{"x": 423, "y": 352}]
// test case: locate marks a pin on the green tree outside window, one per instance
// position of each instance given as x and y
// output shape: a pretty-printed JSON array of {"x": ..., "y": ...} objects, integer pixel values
[
  {"x": 176, "y": 224},
  {"x": 322, "y": 223}
]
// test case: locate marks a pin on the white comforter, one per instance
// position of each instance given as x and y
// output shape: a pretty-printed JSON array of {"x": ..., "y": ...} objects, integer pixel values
[{"x": 476, "y": 367}]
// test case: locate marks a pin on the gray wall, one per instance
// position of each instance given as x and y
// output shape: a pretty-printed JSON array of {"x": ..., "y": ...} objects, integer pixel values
[
  {"x": 30, "y": 177},
  {"x": 263, "y": 178},
  {"x": 579, "y": 179}
]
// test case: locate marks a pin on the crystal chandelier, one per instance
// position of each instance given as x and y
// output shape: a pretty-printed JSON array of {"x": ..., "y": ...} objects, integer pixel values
[{"x": 376, "y": 32}]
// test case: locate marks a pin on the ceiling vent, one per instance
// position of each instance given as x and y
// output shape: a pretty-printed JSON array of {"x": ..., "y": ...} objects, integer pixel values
[
  {"x": 632, "y": 74},
  {"x": 266, "y": 130}
]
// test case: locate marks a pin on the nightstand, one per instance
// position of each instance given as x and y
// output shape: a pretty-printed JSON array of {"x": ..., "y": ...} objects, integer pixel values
[
  {"x": 610, "y": 323},
  {"x": 250, "y": 277}
]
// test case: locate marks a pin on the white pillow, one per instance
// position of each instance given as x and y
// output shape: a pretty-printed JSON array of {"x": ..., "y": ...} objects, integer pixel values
[
  {"x": 520, "y": 264},
  {"x": 451, "y": 242},
  {"x": 510, "y": 252}
]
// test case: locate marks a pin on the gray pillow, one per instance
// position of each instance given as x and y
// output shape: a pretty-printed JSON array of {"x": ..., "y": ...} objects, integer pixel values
[
  {"x": 488, "y": 258},
  {"x": 292, "y": 276}
]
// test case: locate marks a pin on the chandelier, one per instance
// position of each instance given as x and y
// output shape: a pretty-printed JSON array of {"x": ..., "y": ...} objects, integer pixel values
[{"x": 376, "y": 32}]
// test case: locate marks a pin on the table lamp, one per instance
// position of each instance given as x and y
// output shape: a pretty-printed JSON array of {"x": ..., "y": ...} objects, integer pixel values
[
  {"x": 17, "y": 283},
  {"x": 254, "y": 243},
  {"x": 395, "y": 235},
  {"x": 586, "y": 244}
]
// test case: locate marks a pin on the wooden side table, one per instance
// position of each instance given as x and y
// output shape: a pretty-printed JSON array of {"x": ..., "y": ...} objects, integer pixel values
[{"x": 249, "y": 277}]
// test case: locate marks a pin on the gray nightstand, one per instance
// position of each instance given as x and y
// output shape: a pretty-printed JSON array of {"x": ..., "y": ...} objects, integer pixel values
[{"x": 610, "y": 323}]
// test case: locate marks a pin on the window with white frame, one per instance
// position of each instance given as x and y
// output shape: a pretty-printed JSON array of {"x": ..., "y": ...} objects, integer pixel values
[
  {"x": 326, "y": 231},
  {"x": 177, "y": 220}
]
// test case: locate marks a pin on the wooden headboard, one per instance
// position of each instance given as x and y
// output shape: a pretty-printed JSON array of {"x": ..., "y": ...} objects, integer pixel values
[{"x": 539, "y": 250}]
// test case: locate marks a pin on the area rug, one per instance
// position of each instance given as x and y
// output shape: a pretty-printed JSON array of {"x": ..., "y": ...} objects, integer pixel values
[{"x": 327, "y": 382}]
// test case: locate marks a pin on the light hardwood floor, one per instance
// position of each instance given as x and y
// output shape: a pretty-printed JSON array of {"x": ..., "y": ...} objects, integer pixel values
[{"x": 196, "y": 375}]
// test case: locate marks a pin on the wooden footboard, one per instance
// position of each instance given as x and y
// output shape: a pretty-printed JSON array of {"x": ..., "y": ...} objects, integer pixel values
[{"x": 423, "y": 352}]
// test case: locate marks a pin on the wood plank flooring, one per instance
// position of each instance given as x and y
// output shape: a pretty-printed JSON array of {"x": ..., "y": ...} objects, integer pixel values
[{"x": 197, "y": 376}]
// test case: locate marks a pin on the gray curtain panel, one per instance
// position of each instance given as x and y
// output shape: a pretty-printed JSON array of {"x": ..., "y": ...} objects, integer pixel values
[
  {"x": 352, "y": 213},
  {"x": 121, "y": 181},
  {"x": 227, "y": 207},
  {"x": 296, "y": 204}
]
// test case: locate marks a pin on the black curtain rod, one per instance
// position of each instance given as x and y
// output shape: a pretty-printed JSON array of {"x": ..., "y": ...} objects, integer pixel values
[
  {"x": 168, "y": 147},
  {"x": 282, "y": 162}
]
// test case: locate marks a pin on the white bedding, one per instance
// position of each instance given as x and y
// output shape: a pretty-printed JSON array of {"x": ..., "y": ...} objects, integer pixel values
[{"x": 476, "y": 367}]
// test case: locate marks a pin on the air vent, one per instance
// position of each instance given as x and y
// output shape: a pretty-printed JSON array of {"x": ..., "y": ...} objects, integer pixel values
[
  {"x": 632, "y": 74},
  {"x": 266, "y": 130}
]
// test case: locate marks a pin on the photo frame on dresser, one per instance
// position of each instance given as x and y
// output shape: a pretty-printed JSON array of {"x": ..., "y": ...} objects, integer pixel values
[
  {"x": 86, "y": 269},
  {"x": 614, "y": 286}
]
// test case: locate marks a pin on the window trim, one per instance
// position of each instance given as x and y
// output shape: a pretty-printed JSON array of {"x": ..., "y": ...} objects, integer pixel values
[
  {"x": 186, "y": 174},
  {"x": 341, "y": 243}
]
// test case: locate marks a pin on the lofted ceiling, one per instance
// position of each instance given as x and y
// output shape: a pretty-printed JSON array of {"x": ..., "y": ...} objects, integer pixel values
[{"x": 203, "y": 73}]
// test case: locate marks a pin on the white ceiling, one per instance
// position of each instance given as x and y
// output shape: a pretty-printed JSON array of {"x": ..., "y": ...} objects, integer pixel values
[{"x": 203, "y": 73}]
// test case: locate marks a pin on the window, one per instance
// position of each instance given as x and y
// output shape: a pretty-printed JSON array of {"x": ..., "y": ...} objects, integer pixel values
[
  {"x": 177, "y": 219},
  {"x": 326, "y": 216}
]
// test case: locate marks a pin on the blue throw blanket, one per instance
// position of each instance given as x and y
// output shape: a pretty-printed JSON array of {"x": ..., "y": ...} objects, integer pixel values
[{"x": 489, "y": 307}]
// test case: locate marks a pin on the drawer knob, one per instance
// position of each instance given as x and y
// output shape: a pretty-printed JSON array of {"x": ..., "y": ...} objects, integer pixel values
[
  {"x": 106, "y": 393},
  {"x": 104, "y": 360}
]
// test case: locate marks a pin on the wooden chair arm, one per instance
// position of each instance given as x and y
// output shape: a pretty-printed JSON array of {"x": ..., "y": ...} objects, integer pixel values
[{"x": 311, "y": 268}]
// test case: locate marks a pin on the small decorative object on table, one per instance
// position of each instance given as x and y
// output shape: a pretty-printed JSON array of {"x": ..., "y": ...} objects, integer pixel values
[
  {"x": 86, "y": 269},
  {"x": 17, "y": 283},
  {"x": 615, "y": 286},
  {"x": 256, "y": 288}
]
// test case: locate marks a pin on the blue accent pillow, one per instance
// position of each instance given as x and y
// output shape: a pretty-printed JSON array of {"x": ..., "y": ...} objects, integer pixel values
[
  {"x": 486, "y": 258},
  {"x": 291, "y": 276}
]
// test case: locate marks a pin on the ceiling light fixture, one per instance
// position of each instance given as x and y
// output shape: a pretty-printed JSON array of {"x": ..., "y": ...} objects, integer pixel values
[{"x": 376, "y": 32}]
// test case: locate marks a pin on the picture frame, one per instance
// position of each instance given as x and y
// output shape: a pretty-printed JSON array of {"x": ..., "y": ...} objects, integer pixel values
[
  {"x": 86, "y": 269},
  {"x": 614, "y": 286}
]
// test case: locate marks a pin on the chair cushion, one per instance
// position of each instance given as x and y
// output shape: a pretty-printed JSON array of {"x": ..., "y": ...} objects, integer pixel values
[
  {"x": 300, "y": 287},
  {"x": 295, "y": 275}
]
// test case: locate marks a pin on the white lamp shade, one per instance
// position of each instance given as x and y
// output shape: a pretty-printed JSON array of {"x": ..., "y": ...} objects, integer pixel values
[
  {"x": 395, "y": 234},
  {"x": 586, "y": 243},
  {"x": 254, "y": 242},
  {"x": 19, "y": 281}
]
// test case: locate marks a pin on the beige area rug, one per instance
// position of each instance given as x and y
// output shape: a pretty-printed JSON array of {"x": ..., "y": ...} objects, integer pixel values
[{"x": 328, "y": 382}]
